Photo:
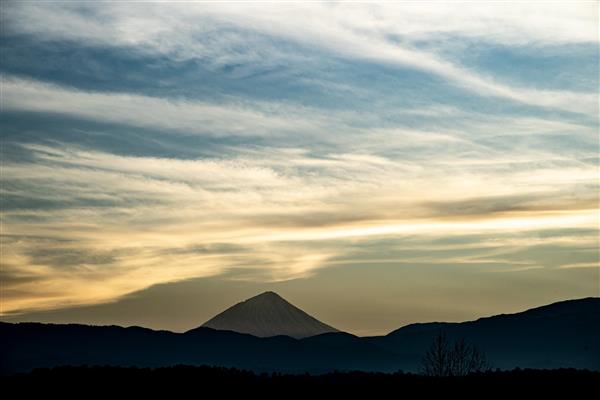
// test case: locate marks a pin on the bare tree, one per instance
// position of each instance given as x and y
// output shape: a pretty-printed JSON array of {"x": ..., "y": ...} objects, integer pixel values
[
  {"x": 458, "y": 359},
  {"x": 436, "y": 360}
]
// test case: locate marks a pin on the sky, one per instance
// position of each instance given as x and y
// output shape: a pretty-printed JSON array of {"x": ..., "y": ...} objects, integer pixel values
[{"x": 376, "y": 164}]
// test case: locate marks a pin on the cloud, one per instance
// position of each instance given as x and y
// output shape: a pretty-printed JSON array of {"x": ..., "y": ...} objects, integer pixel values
[
  {"x": 365, "y": 131},
  {"x": 421, "y": 159},
  {"x": 581, "y": 265},
  {"x": 186, "y": 31},
  {"x": 514, "y": 23},
  {"x": 181, "y": 116},
  {"x": 513, "y": 204},
  {"x": 285, "y": 212}
]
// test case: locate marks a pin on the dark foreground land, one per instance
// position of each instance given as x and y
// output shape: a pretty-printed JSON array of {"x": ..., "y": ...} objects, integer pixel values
[{"x": 85, "y": 382}]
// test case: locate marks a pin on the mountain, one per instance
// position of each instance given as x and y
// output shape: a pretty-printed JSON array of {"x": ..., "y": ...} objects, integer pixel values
[
  {"x": 26, "y": 346},
  {"x": 564, "y": 334},
  {"x": 268, "y": 314}
]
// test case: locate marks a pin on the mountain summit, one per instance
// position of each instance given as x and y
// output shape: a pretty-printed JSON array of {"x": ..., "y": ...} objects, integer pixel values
[{"x": 268, "y": 314}]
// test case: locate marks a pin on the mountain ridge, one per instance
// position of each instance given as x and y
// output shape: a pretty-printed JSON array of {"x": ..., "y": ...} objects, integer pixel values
[
  {"x": 560, "y": 334},
  {"x": 593, "y": 302},
  {"x": 564, "y": 335}
]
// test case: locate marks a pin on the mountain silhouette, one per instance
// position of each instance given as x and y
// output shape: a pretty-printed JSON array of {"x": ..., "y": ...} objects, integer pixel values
[
  {"x": 268, "y": 314},
  {"x": 564, "y": 334},
  {"x": 560, "y": 335}
]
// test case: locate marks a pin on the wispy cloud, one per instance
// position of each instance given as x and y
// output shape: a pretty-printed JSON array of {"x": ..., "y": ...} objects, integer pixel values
[
  {"x": 135, "y": 212},
  {"x": 153, "y": 143},
  {"x": 581, "y": 265},
  {"x": 179, "y": 115},
  {"x": 350, "y": 30}
]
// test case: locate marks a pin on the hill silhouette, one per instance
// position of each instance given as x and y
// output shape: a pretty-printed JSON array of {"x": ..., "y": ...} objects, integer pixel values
[
  {"x": 563, "y": 334},
  {"x": 560, "y": 335}
]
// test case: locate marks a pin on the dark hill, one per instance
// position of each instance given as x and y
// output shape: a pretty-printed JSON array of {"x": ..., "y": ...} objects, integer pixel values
[{"x": 564, "y": 334}]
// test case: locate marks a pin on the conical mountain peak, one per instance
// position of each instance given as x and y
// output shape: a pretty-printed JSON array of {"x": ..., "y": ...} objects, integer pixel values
[
  {"x": 268, "y": 314},
  {"x": 266, "y": 298},
  {"x": 267, "y": 294}
]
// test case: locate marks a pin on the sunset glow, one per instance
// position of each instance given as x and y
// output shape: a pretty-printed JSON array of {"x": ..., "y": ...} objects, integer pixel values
[{"x": 406, "y": 150}]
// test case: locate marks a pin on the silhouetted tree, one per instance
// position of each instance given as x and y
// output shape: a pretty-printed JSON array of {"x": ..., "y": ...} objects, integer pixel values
[
  {"x": 436, "y": 360},
  {"x": 458, "y": 359}
]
